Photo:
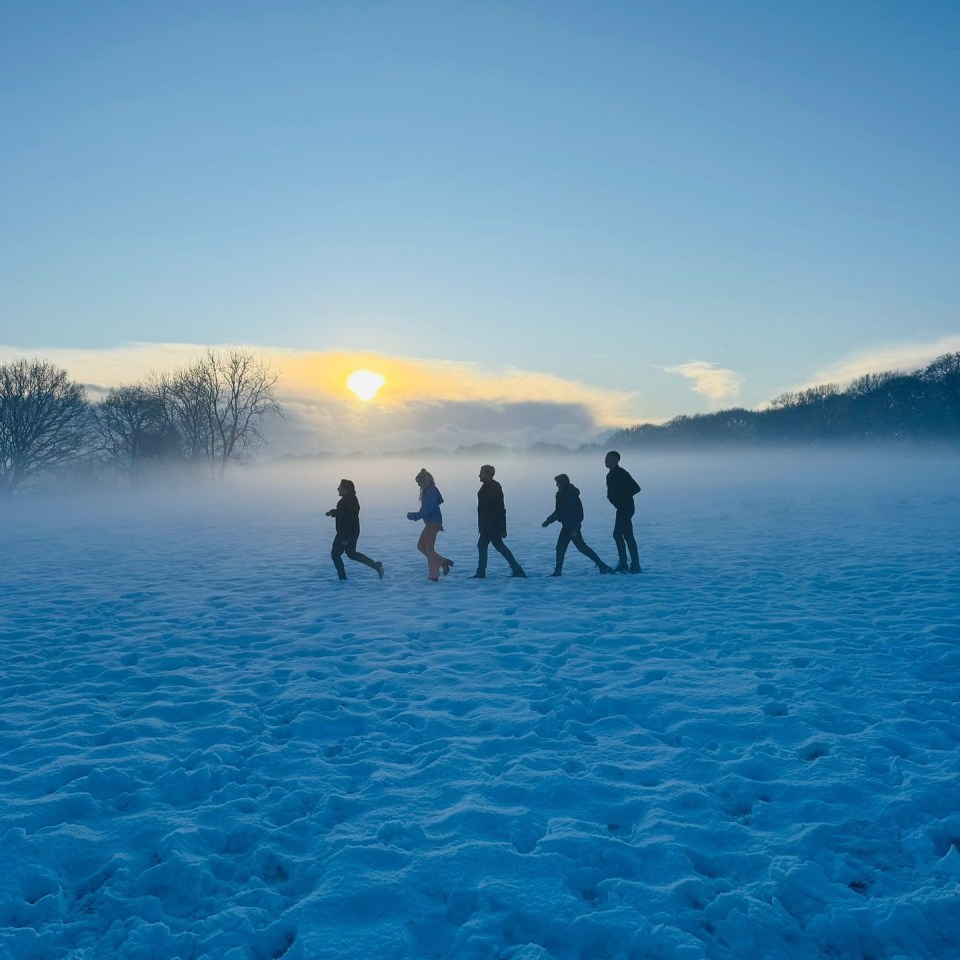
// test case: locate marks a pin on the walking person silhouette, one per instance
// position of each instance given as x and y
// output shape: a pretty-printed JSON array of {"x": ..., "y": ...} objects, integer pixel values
[
  {"x": 621, "y": 489},
  {"x": 492, "y": 524},
  {"x": 347, "y": 516},
  {"x": 569, "y": 511}
]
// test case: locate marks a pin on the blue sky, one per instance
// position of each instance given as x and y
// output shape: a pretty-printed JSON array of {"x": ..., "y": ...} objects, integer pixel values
[{"x": 689, "y": 205}]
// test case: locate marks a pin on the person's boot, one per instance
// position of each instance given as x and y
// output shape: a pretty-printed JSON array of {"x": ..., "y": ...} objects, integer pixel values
[
  {"x": 636, "y": 568},
  {"x": 603, "y": 568},
  {"x": 558, "y": 572},
  {"x": 518, "y": 572},
  {"x": 621, "y": 567},
  {"x": 479, "y": 575},
  {"x": 379, "y": 568}
]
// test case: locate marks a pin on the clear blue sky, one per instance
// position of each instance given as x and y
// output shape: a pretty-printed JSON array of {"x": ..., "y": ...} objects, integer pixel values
[{"x": 593, "y": 191}]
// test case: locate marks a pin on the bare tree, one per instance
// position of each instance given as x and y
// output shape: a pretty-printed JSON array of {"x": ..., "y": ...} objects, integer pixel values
[
  {"x": 218, "y": 405},
  {"x": 134, "y": 427},
  {"x": 44, "y": 421}
]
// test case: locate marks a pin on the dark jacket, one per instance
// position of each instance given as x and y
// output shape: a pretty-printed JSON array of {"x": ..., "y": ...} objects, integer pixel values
[
  {"x": 621, "y": 489},
  {"x": 347, "y": 515},
  {"x": 569, "y": 508},
  {"x": 491, "y": 512}
]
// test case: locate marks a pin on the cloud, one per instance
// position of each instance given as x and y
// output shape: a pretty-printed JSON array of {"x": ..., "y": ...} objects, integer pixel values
[
  {"x": 905, "y": 357},
  {"x": 718, "y": 385},
  {"x": 422, "y": 403}
]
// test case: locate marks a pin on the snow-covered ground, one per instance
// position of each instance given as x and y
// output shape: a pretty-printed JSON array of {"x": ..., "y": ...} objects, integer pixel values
[{"x": 211, "y": 748}]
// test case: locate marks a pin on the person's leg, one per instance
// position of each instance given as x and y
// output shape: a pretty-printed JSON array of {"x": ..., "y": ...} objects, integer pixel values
[
  {"x": 350, "y": 548},
  {"x": 619, "y": 538},
  {"x": 581, "y": 545},
  {"x": 632, "y": 545},
  {"x": 424, "y": 549},
  {"x": 504, "y": 552},
  {"x": 336, "y": 552},
  {"x": 426, "y": 546},
  {"x": 563, "y": 541},
  {"x": 483, "y": 544}
]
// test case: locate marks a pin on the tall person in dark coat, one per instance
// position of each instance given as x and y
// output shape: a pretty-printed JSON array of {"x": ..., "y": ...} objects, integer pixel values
[
  {"x": 492, "y": 524},
  {"x": 569, "y": 512},
  {"x": 621, "y": 489},
  {"x": 347, "y": 515}
]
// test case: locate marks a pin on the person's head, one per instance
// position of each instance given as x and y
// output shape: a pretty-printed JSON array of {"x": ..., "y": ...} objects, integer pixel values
[
  {"x": 424, "y": 478},
  {"x": 346, "y": 486},
  {"x": 487, "y": 472},
  {"x": 563, "y": 481},
  {"x": 611, "y": 459}
]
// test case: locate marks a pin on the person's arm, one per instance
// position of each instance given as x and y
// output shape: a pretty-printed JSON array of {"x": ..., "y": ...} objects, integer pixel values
[
  {"x": 553, "y": 518},
  {"x": 427, "y": 503}
]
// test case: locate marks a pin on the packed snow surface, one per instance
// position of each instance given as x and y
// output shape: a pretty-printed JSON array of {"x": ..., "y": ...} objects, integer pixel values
[{"x": 211, "y": 748}]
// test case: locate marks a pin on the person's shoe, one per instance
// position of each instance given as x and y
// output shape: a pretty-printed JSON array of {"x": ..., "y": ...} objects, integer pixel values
[
  {"x": 605, "y": 569},
  {"x": 479, "y": 575},
  {"x": 445, "y": 566},
  {"x": 433, "y": 579},
  {"x": 636, "y": 568},
  {"x": 620, "y": 568},
  {"x": 557, "y": 573},
  {"x": 379, "y": 568},
  {"x": 342, "y": 578},
  {"x": 519, "y": 573}
]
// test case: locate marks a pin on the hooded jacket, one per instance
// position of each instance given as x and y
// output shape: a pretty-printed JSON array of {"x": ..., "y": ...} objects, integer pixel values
[
  {"x": 491, "y": 512},
  {"x": 569, "y": 509},
  {"x": 429, "y": 510}
]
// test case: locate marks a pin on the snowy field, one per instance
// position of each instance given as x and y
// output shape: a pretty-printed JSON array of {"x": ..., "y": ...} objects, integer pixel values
[{"x": 211, "y": 748}]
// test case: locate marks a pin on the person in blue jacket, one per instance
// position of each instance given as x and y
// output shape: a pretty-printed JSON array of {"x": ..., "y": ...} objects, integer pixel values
[
  {"x": 429, "y": 513},
  {"x": 347, "y": 516},
  {"x": 569, "y": 511}
]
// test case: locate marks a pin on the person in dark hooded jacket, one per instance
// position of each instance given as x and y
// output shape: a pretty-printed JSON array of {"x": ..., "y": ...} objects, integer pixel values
[
  {"x": 492, "y": 524},
  {"x": 347, "y": 516},
  {"x": 569, "y": 512}
]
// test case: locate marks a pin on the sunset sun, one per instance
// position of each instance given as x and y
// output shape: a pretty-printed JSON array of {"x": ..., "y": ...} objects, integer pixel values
[{"x": 365, "y": 383}]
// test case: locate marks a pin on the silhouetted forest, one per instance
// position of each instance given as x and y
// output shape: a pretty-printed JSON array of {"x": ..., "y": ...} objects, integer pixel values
[{"x": 921, "y": 406}]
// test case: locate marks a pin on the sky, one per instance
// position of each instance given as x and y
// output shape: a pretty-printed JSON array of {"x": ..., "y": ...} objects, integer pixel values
[{"x": 547, "y": 219}]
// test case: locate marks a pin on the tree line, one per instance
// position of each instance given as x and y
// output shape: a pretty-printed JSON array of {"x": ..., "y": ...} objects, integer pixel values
[
  {"x": 212, "y": 412},
  {"x": 892, "y": 406},
  {"x": 206, "y": 414}
]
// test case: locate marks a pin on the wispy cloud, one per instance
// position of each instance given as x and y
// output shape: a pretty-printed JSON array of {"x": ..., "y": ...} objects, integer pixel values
[
  {"x": 718, "y": 385},
  {"x": 897, "y": 356},
  {"x": 422, "y": 402}
]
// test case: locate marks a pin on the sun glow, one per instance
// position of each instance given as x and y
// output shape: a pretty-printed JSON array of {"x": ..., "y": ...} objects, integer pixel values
[{"x": 365, "y": 383}]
